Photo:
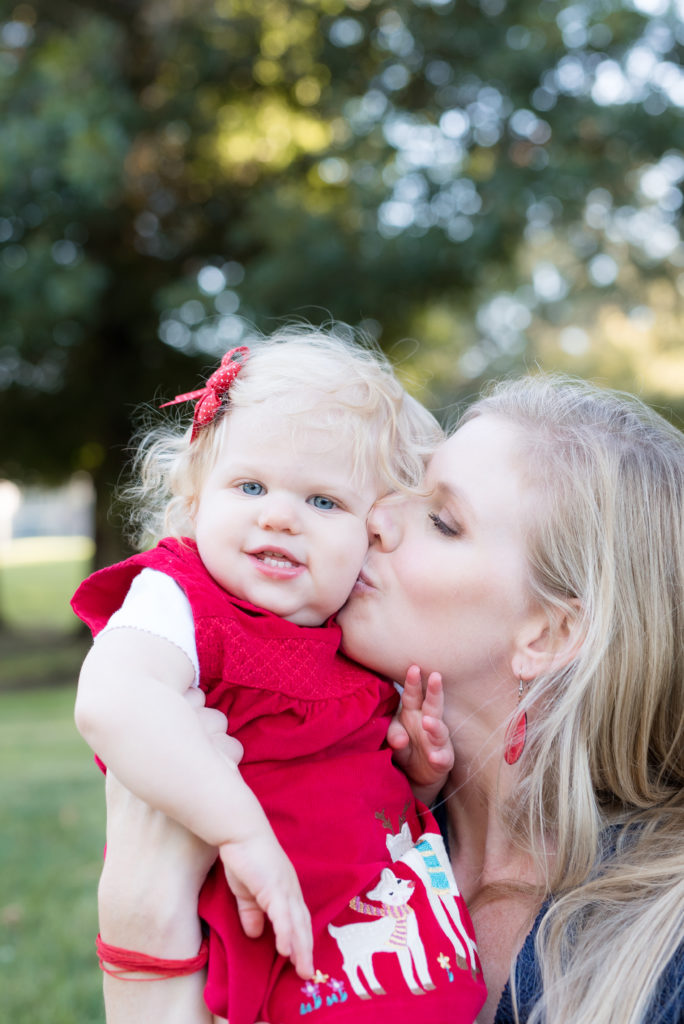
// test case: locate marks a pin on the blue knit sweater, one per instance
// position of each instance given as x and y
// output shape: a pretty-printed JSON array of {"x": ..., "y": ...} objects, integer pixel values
[{"x": 667, "y": 1006}]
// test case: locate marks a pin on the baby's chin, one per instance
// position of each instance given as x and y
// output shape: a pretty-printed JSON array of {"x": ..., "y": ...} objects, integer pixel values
[{"x": 352, "y": 627}]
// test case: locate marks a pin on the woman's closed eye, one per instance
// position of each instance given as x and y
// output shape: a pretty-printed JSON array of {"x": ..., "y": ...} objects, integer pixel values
[{"x": 444, "y": 528}]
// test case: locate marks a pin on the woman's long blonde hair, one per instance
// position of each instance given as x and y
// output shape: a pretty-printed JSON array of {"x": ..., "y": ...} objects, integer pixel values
[
  {"x": 602, "y": 775},
  {"x": 332, "y": 379}
]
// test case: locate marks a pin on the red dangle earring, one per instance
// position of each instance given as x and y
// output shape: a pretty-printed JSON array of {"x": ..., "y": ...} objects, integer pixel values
[{"x": 517, "y": 733}]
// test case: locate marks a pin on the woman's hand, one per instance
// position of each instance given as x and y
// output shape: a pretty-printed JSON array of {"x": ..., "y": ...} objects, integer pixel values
[
  {"x": 215, "y": 725},
  {"x": 419, "y": 737}
]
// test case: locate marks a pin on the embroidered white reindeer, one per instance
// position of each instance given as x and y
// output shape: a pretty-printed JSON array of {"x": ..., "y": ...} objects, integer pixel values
[
  {"x": 394, "y": 931},
  {"x": 427, "y": 857}
]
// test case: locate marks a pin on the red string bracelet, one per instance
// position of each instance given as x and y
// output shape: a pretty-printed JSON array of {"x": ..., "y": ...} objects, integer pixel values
[{"x": 127, "y": 961}]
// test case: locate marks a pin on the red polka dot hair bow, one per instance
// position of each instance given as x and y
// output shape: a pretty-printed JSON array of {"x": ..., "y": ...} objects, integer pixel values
[{"x": 211, "y": 396}]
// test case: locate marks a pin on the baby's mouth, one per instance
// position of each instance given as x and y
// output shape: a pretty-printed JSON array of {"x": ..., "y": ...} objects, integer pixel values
[{"x": 277, "y": 559}]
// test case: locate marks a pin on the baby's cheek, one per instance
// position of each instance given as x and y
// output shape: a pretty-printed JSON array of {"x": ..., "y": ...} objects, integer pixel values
[{"x": 353, "y": 559}]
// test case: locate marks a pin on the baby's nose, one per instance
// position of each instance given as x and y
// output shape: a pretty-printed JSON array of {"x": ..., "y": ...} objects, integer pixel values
[{"x": 279, "y": 512}]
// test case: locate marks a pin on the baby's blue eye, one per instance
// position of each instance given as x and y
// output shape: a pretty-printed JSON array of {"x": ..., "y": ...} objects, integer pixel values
[
  {"x": 318, "y": 501},
  {"x": 252, "y": 487}
]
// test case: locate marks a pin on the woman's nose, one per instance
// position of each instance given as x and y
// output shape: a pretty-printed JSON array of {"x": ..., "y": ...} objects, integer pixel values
[
  {"x": 385, "y": 522},
  {"x": 278, "y": 512}
]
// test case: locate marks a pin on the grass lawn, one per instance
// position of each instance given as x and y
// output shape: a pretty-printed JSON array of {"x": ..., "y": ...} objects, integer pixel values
[
  {"x": 51, "y": 837},
  {"x": 51, "y": 795},
  {"x": 38, "y": 575},
  {"x": 42, "y": 642}
]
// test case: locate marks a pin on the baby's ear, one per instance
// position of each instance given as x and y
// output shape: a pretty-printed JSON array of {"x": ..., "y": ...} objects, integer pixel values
[
  {"x": 190, "y": 507},
  {"x": 550, "y": 641}
]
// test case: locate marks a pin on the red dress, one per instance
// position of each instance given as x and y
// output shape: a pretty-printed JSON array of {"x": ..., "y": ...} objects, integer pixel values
[{"x": 392, "y": 935}]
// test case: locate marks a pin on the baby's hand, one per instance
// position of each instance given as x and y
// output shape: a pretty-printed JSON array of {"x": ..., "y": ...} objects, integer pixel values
[
  {"x": 418, "y": 736},
  {"x": 264, "y": 881}
]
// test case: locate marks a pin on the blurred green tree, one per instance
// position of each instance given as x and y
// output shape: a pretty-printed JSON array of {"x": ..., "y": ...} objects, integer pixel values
[{"x": 484, "y": 175}]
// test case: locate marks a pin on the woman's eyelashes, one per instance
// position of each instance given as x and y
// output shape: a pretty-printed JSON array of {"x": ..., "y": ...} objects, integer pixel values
[{"x": 443, "y": 527}]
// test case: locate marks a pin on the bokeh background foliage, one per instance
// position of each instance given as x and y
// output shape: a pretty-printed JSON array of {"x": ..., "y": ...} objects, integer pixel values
[{"x": 483, "y": 186}]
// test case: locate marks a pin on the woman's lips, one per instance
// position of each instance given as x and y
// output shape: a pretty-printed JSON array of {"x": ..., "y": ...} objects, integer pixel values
[{"x": 364, "y": 583}]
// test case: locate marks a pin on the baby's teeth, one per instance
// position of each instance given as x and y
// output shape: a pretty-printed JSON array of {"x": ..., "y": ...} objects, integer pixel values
[{"x": 277, "y": 563}]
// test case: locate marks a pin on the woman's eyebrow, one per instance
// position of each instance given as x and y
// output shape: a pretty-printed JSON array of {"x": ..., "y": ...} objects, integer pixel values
[{"x": 451, "y": 492}]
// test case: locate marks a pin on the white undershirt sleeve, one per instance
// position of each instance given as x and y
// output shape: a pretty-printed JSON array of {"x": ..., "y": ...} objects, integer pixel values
[{"x": 156, "y": 604}]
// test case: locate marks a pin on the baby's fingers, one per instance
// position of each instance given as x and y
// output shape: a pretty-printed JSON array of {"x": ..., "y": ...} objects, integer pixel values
[
  {"x": 441, "y": 752},
  {"x": 294, "y": 938},
  {"x": 251, "y": 916},
  {"x": 433, "y": 702},
  {"x": 412, "y": 696},
  {"x": 397, "y": 736},
  {"x": 250, "y": 913},
  {"x": 301, "y": 953}
]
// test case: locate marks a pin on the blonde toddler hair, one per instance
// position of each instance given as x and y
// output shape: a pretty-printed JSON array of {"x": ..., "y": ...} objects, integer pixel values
[{"x": 325, "y": 379}]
